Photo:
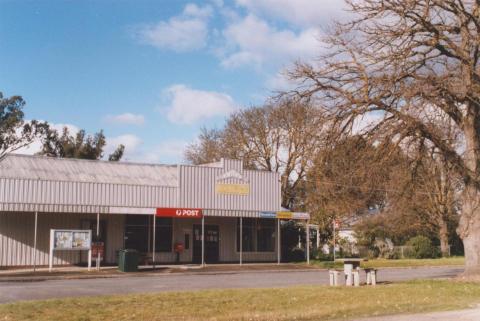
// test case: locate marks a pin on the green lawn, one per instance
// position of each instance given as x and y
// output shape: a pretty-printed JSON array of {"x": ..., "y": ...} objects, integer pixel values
[
  {"x": 299, "y": 303},
  {"x": 382, "y": 263}
]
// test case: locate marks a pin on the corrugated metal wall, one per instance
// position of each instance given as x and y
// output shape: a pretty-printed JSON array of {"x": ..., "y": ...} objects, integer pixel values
[
  {"x": 65, "y": 199},
  {"x": 24, "y": 191},
  {"x": 17, "y": 237},
  {"x": 197, "y": 189}
]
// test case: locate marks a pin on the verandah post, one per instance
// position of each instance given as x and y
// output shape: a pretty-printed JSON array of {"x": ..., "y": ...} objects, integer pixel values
[
  {"x": 203, "y": 240},
  {"x": 241, "y": 240},
  {"x": 98, "y": 234},
  {"x": 278, "y": 241},
  {"x": 153, "y": 238},
  {"x": 35, "y": 243},
  {"x": 307, "y": 241}
]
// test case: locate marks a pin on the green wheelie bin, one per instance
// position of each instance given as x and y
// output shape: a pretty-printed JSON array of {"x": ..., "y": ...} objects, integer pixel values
[{"x": 128, "y": 260}]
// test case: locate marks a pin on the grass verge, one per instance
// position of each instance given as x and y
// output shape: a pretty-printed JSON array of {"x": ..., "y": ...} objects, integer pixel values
[
  {"x": 381, "y": 263},
  {"x": 299, "y": 303}
]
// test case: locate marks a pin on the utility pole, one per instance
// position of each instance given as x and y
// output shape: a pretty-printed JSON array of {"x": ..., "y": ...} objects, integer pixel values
[{"x": 334, "y": 237}]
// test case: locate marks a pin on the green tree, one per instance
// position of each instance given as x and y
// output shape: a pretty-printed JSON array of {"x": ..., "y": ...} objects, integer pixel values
[
  {"x": 80, "y": 145},
  {"x": 15, "y": 132}
]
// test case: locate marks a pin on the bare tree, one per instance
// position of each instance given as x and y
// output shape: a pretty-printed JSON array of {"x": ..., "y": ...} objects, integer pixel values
[
  {"x": 405, "y": 60},
  {"x": 425, "y": 192},
  {"x": 208, "y": 147},
  {"x": 281, "y": 137},
  {"x": 439, "y": 202}
]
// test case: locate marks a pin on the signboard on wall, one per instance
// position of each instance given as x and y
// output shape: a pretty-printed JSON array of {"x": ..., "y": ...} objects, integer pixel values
[
  {"x": 72, "y": 239},
  {"x": 285, "y": 215},
  {"x": 222, "y": 186},
  {"x": 268, "y": 214},
  {"x": 232, "y": 189},
  {"x": 179, "y": 212}
]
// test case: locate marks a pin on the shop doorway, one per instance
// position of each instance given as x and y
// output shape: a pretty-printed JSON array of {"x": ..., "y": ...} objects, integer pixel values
[{"x": 212, "y": 241}]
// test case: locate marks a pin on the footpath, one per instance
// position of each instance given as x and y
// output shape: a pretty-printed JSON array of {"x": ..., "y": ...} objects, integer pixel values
[
  {"x": 74, "y": 272},
  {"x": 458, "y": 315}
]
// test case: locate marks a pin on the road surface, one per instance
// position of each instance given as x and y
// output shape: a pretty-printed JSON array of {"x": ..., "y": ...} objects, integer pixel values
[{"x": 19, "y": 291}]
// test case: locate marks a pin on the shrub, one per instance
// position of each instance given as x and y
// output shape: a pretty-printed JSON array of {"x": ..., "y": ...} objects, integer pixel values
[
  {"x": 421, "y": 248},
  {"x": 296, "y": 255}
]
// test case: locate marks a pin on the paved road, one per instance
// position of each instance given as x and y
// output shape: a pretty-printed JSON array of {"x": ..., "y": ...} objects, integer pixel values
[{"x": 17, "y": 291}]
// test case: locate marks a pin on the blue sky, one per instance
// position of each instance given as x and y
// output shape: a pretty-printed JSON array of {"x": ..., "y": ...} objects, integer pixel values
[{"x": 152, "y": 73}]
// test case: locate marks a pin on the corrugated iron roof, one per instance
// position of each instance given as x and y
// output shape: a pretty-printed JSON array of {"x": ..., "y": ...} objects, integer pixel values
[{"x": 93, "y": 171}]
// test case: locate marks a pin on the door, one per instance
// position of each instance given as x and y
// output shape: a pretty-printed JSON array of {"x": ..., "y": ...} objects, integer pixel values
[{"x": 212, "y": 241}]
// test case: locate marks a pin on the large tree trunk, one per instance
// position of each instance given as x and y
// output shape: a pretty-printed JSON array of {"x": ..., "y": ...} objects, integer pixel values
[
  {"x": 443, "y": 236},
  {"x": 469, "y": 225},
  {"x": 469, "y": 230}
]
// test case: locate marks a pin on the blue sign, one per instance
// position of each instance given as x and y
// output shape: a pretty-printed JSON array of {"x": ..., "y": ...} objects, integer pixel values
[{"x": 268, "y": 214}]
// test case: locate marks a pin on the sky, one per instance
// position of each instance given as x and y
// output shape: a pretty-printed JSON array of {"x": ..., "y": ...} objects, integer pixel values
[{"x": 151, "y": 74}]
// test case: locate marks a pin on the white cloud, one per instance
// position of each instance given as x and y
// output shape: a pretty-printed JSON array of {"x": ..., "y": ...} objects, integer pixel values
[
  {"x": 310, "y": 13},
  {"x": 252, "y": 40},
  {"x": 170, "y": 151},
  {"x": 126, "y": 118},
  {"x": 130, "y": 141},
  {"x": 187, "y": 105},
  {"x": 185, "y": 32},
  {"x": 281, "y": 82}
]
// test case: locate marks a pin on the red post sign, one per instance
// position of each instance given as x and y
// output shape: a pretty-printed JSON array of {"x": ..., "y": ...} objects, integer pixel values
[
  {"x": 98, "y": 248},
  {"x": 180, "y": 212}
]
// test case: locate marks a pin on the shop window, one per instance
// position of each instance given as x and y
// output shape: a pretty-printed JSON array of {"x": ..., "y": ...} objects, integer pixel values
[
  {"x": 138, "y": 233},
  {"x": 265, "y": 235},
  {"x": 164, "y": 234},
  {"x": 248, "y": 235}
]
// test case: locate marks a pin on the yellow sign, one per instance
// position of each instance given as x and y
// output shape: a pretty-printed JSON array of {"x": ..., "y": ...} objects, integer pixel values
[
  {"x": 284, "y": 215},
  {"x": 233, "y": 189}
]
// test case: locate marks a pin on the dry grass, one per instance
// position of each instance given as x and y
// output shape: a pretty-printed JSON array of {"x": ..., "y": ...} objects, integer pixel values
[{"x": 297, "y": 303}]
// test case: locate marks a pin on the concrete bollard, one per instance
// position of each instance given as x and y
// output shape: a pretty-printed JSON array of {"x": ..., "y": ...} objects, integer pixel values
[
  {"x": 356, "y": 277},
  {"x": 333, "y": 277},
  {"x": 369, "y": 276},
  {"x": 348, "y": 278},
  {"x": 373, "y": 276},
  {"x": 348, "y": 269}
]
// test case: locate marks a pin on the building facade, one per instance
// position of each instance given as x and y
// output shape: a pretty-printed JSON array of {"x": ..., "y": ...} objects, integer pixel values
[{"x": 210, "y": 213}]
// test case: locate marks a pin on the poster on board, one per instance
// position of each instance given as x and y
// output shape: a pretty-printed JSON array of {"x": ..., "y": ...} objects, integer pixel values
[
  {"x": 72, "y": 239},
  {"x": 63, "y": 240}
]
